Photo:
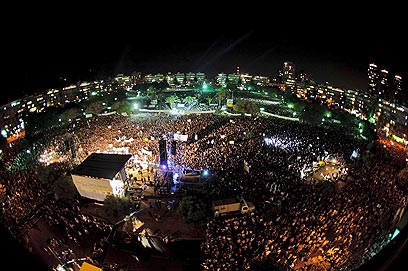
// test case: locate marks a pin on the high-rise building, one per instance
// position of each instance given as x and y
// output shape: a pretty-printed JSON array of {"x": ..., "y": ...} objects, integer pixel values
[
  {"x": 171, "y": 78},
  {"x": 136, "y": 77},
  {"x": 396, "y": 87},
  {"x": 200, "y": 77},
  {"x": 221, "y": 79},
  {"x": 383, "y": 85},
  {"x": 180, "y": 77},
  {"x": 190, "y": 77},
  {"x": 233, "y": 78},
  {"x": 373, "y": 79},
  {"x": 302, "y": 76},
  {"x": 289, "y": 75},
  {"x": 245, "y": 78},
  {"x": 260, "y": 80}
]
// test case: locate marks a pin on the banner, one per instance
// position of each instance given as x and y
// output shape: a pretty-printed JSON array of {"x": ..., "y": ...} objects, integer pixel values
[
  {"x": 147, "y": 152},
  {"x": 180, "y": 137}
]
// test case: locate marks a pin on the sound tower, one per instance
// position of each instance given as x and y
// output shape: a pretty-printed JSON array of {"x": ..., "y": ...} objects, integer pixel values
[{"x": 163, "y": 152}]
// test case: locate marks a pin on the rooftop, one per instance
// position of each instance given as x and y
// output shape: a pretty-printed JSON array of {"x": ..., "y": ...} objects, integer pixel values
[{"x": 101, "y": 165}]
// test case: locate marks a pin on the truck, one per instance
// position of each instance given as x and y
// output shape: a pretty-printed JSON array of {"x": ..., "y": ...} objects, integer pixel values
[{"x": 231, "y": 206}]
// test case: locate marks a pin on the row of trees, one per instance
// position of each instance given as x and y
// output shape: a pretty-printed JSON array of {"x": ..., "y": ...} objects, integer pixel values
[{"x": 58, "y": 116}]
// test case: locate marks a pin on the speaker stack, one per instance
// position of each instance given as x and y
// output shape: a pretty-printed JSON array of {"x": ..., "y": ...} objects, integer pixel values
[
  {"x": 163, "y": 152},
  {"x": 173, "y": 147}
]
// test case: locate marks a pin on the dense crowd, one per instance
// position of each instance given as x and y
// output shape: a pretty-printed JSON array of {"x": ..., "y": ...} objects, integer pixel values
[
  {"x": 308, "y": 226},
  {"x": 295, "y": 224}
]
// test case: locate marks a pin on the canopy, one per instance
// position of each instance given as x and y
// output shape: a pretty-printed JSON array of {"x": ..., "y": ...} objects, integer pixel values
[{"x": 89, "y": 267}]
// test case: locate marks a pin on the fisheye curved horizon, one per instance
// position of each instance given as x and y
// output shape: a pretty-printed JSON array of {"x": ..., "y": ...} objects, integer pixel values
[{"x": 235, "y": 171}]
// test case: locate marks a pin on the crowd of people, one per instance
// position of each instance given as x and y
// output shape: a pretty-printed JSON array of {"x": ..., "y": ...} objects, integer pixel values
[
  {"x": 295, "y": 224},
  {"x": 308, "y": 225}
]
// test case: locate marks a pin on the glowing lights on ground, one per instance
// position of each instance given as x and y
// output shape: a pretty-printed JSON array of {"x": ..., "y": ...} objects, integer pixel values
[
  {"x": 175, "y": 111},
  {"x": 49, "y": 157},
  {"x": 205, "y": 172},
  {"x": 280, "y": 142},
  {"x": 205, "y": 86},
  {"x": 279, "y": 116},
  {"x": 176, "y": 178},
  {"x": 396, "y": 232}
]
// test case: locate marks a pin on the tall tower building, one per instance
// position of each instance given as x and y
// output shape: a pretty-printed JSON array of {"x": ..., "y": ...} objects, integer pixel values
[
  {"x": 289, "y": 75},
  {"x": 373, "y": 76},
  {"x": 383, "y": 85},
  {"x": 136, "y": 77},
  {"x": 396, "y": 87}
]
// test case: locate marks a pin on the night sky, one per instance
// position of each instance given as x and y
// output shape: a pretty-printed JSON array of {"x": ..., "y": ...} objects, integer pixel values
[{"x": 42, "y": 56}]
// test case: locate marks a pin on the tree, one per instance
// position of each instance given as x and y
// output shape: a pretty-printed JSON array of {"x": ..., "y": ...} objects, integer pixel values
[
  {"x": 189, "y": 100},
  {"x": 25, "y": 160},
  {"x": 162, "y": 85},
  {"x": 38, "y": 122},
  {"x": 209, "y": 99},
  {"x": 116, "y": 206},
  {"x": 175, "y": 81},
  {"x": 345, "y": 118},
  {"x": 142, "y": 87},
  {"x": 292, "y": 101},
  {"x": 94, "y": 108},
  {"x": 313, "y": 113},
  {"x": 64, "y": 187},
  {"x": 70, "y": 114},
  {"x": 172, "y": 100},
  {"x": 152, "y": 92},
  {"x": 122, "y": 107},
  {"x": 193, "y": 210},
  {"x": 221, "y": 95},
  {"x": 246, "y": 107},
  {"x": 367, "y": 130},
  {"x": 111, "y": 97},
  {"x": 251, "y": 85},
  {"x": 231, "y": 86}
]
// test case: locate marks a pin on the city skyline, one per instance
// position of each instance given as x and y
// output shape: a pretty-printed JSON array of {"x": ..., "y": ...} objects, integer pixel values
[{"x": 61, "y": 59}]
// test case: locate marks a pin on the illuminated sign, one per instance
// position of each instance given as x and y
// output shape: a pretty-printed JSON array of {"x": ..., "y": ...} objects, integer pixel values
[
  {"x": 230, "y": 102},
  {"x": 97, "y": 189},
  {"x": 399, "y": 139}
]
